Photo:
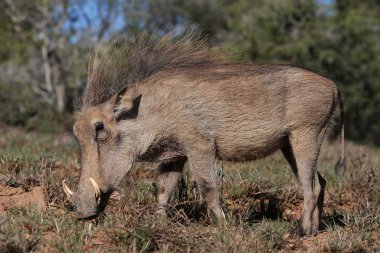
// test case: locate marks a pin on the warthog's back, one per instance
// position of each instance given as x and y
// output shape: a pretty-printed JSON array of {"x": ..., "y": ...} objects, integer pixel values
[{"x": 247, "y": 109}]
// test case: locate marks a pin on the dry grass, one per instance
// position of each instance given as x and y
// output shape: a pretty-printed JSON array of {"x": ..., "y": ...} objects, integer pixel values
[{"x": 262, "y": 201}]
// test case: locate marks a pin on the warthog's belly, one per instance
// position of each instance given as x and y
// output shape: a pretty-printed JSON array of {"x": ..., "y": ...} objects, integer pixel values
[{"x": 249, "y": 149}]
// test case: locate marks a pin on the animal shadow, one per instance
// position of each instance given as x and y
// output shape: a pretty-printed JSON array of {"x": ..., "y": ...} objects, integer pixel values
[
  {"x": 332, "y": 220},
  {"x": 262, "y": 206}
]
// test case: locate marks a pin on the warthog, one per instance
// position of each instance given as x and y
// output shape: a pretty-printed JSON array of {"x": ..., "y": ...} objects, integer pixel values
[{"x": 182, "y": 102}]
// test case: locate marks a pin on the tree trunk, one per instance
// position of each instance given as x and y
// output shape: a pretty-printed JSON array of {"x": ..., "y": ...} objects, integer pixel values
[{"x": 59, "y": 82}]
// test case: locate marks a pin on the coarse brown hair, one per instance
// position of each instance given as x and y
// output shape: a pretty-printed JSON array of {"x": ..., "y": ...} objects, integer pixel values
[{"x": 116, "y": 64}]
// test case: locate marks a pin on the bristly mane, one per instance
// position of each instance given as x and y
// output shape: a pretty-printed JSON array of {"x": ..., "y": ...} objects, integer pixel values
[{"x": 114, "y": 65}]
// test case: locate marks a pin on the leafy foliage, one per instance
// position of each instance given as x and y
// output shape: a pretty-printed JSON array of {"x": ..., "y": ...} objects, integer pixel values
[{"x": 339, "y": 39}]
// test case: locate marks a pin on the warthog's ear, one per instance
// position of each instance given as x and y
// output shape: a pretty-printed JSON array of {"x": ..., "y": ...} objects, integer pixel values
[{"x": 127, "y": 103}]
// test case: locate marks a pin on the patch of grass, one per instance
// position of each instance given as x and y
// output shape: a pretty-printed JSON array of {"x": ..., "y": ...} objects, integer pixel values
[
  {"x": 29, "y": 229},
  {"x": 262, "y": 201}
]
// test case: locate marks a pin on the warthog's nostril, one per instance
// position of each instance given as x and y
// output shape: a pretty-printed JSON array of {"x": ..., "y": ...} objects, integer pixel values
[{"x": 97, "y": 190}]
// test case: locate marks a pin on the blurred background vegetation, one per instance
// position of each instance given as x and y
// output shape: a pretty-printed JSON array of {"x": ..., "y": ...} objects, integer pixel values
[{"x": 45, "y": 45}]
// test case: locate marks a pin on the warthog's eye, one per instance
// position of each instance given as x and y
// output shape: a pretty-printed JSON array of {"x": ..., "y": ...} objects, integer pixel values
[
  {"x": 100, "y": 132},
  {"x": 99, "y": 126}
]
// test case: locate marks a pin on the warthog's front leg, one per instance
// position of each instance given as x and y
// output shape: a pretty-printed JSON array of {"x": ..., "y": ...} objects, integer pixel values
[
  {"x": 203, "y": 167},
  {"x": 167, "y": 181}
]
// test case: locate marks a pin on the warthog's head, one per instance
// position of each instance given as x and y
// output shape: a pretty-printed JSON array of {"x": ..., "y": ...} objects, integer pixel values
[{"x": 106, "y": 151}]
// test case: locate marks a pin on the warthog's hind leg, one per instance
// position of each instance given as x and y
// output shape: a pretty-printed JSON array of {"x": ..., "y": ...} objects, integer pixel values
[
  {"x": 167, "y": 182},
  {"x": 302, "y": 153}
]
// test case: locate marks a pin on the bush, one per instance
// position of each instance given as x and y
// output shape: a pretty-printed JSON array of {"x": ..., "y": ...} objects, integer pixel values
[{"x": 20, "y": 107}]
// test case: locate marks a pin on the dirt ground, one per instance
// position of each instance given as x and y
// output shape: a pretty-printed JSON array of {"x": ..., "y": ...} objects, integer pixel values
[{"x": 18, "y": 197}]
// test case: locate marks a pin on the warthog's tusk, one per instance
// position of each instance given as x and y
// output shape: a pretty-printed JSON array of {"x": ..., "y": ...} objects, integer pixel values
[
  {"x": 97, "y": 190},
  {"x": 67, "y": 190}
]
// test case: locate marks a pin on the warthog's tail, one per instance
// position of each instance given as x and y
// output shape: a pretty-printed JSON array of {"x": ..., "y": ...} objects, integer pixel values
[{"x": 340, "y": 166}]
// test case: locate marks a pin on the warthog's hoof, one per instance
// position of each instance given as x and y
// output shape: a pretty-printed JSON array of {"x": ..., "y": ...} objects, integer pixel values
[
  {"x": 299, "y": 232},
  {"x": 161, "y": 214}
]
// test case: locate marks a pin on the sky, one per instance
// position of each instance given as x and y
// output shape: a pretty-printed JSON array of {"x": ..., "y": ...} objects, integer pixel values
[
  {"x": 90, "y": 9},
  {"x": 89, "y": 12}
]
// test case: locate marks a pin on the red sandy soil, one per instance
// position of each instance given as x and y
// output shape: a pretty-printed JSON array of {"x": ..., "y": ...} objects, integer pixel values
[{"x": 18, "y": 197}]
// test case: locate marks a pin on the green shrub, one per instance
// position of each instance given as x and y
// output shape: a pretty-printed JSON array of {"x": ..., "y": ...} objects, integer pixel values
[{"x": 20, "y": 107}]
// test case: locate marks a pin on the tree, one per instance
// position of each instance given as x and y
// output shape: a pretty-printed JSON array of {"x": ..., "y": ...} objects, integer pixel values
[
  {"x": 45, "y": 42},
  {"x": 355, "y": 42},
  {"x": 55, "y": 43}
]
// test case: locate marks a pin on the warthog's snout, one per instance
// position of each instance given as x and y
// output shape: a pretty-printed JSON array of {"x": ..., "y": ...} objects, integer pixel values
[
  {"x": 87, "y": 214},
  {"x": 87, "y": 202}
]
